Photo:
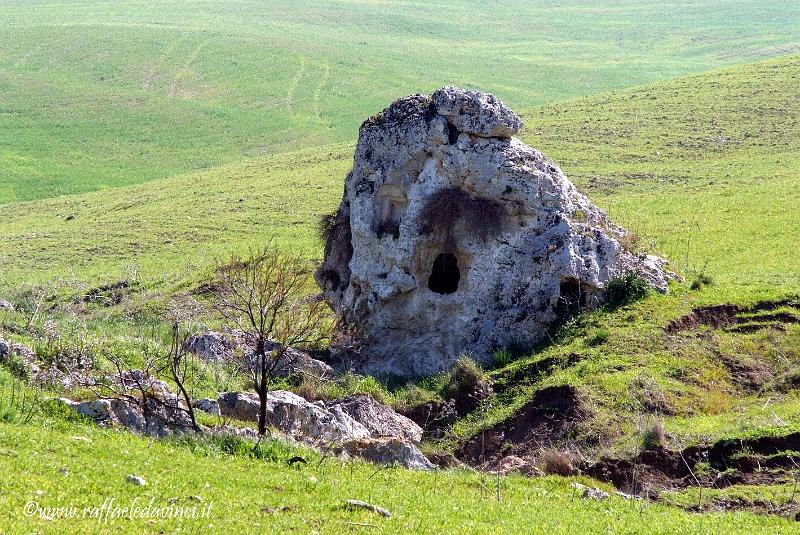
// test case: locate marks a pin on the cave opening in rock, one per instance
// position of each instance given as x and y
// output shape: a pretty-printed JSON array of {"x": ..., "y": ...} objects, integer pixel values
[{"x": 445, "y": 274}]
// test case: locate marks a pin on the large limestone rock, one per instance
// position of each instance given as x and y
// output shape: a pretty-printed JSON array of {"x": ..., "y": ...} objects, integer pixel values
[
  {"x": 387, "y": 451},
  {"x": 381, "y": 420},
  {"x": 295, "y": 417},
  {"x": 453, "y": 236},
  {"x": 162, "y": 419}
]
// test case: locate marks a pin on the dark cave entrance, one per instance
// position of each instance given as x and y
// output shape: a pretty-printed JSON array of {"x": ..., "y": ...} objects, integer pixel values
[{"x": 445, "y": 274}]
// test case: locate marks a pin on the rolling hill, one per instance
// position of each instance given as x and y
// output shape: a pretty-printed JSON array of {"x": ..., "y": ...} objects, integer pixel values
[{"x": 97, "y": 95}]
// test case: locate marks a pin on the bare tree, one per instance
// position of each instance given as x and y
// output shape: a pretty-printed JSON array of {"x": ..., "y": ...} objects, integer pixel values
[
  {"x": 142, "y": 388},
  {"x": 266, "y": 295},
  {"x": 178, "y": 362}
]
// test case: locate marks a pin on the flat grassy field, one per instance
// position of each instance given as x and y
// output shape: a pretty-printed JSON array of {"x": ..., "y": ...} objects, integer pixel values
[{"x": 96, "y": 95}]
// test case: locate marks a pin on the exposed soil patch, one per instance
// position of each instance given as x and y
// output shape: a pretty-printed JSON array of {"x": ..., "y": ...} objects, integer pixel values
[
  {"x": 739, "y": 319},
  {"x": 752, "y": 461},
  {"x": 108, "y": 294},
  {"x": 551, "y": 414},
  {"x": 434, "y": 417}
]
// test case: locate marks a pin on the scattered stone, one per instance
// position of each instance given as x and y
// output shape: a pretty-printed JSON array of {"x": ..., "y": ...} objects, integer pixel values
[
  {"x": 6, "y": 305},
  {"x": 512, "y": 463},
  {"x": 210, "y": 406},
  {"x": 590, "y": 493},
  {"x": 64, "y": 471},
  {"x": 453, "y": 237},
  {"x": 136, "y": 480},
  {"x": 381, "y": 420},
  {"x": 358, "y": 504},
  {"x": 387, "y": 451}
]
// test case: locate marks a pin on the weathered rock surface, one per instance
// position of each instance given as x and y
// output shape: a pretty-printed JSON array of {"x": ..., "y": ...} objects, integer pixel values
[
  {"x": 215, "y": 347},
  {"x": 239, "y": 406},
  {"x": 211, "y": 346},
  {"x": 210, "y": 406},
  {"x": 295, "y": 417},
  {"x": 162, "y": 419},
  {"x": 296, "y": 362},
  {"x": 387, "y": 450},
  {"x": 453, "y": 237},
  {"x": 381, "y": 420}
]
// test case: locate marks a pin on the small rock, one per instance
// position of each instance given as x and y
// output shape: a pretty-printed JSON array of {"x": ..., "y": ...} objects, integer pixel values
[
  {"x": 591, "y": 493},
  {"x": 595, "y": 494},
  {"x": 510, "y": 464},
  {"x": 358, "y": 504},
  {"x": 6, "y": 305},
  {"x": 136, "y": 480},
  {"x": 64, "y": 471}
]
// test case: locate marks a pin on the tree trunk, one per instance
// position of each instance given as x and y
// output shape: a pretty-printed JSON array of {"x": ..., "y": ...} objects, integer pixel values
[{"x": 262, "y": 389}]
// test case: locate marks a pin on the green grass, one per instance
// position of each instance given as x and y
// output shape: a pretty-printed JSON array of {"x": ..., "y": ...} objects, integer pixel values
[
  {"x": 97, "y": 95},
  {"x": 251, "y": 495}
]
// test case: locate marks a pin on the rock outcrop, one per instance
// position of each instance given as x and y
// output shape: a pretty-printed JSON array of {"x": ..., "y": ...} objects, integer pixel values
[
  {"x": 234, "y": 346},
  {"x": 381, "y": 420},
  {"x": 162, "y": 418},
  {"x": 306, "y": 422},
  {"x": 454, "y": 237},
  {"x": 387, "y": 451}
]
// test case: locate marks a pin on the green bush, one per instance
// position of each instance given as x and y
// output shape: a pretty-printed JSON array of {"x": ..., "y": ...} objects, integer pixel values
[
  {"x": 626, "y": 289},
  {"x": 465, "y": 376},
  {"x": 700, "y": 281},
  {"x": 502, "y": 358}
]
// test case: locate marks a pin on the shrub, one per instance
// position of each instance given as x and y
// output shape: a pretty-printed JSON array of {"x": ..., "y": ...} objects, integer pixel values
[
  {"x": 502, "y": 358},
  {"x": 626, "y": 289},
  {"x": 700, "y": 281},
  {"x": 556, "y": 462},
  {"x": 465, "y": 376},
  {"x": 654, "y": 437},
  {"x": 17, "y": 366},
  {"x": 630, "y": 242}
]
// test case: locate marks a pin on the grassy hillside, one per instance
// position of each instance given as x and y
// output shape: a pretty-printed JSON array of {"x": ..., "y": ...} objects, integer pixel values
[
  {"x": 103, "y": 94},
  {"x": 705, "y": 168}
]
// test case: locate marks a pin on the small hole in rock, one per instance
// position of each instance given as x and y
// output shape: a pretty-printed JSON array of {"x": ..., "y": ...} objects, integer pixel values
[{"x": 445, "y": 274}]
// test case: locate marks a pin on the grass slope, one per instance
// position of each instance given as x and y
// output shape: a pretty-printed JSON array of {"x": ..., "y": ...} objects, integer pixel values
[
  {"x": 706, "y": 168},
  {"x": 249, "y": 495},
  {"x": 104, "y": 94}
]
